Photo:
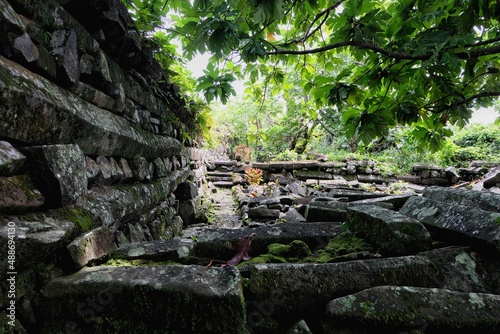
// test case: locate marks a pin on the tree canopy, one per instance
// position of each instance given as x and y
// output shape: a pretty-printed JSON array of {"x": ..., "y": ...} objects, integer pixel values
[{"x": 371, "y": 64}]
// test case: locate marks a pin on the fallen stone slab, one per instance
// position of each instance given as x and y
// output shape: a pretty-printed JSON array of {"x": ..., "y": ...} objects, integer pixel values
[
  {"x": 144, "y": 299},
  {"x": 289, "y": 291},
  {"x": 157, "y": 250},
  {"x": 354, "y": 195},
  {"x": 456, "y": 221},
  {"x": 326, "y": 211},
  {"x": 219, "y": 243},
  {"x": 474, "y": 199},
  {"x": 391, "y": 232},
  {"x": 396, "y": 200},
  {"x": 262, "y": 212},
  {"x": 399, "y": 309}
]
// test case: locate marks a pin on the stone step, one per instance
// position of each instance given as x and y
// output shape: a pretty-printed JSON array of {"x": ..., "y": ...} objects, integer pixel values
[
  {"x": 217, "y": 173},
  {"x": 220, "y": 178},
  {"x": 156, "y": 250},
  {"x": 223, "y": 184},
  {"x": 139, "y": 299}
]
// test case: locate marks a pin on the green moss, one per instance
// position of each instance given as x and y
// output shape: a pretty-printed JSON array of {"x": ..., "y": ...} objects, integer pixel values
[
  {"x": 81, "y": 218},
  {"x": 295, "y": 249},
  {"x": 264, "y": 258},
  {"x": 497, "y": 220},
  {"x": 320, "y": 257},
  {"x": 346, "y": 243}
]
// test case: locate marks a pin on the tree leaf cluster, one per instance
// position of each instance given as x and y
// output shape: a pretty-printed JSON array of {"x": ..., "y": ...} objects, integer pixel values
[{"x": 378, "y": 63}]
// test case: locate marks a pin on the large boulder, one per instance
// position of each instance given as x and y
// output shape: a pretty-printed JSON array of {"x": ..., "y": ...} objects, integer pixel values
[
  {"x": 397, "y": 309},
  {"x": 455, "y": 221},
  {"x": 391, "y": 232},
  {"x": 474, "y": 199}
]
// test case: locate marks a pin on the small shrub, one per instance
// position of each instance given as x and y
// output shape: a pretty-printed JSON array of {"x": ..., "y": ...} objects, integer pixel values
[
  {"x": 254, "y": 175},
  {"x": 244, "y": 152}
]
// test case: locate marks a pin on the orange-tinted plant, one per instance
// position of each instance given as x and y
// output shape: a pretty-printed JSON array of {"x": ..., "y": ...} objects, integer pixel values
[
  {"x": 243, "y": 151},
  {"x": 254, "y": 175}
]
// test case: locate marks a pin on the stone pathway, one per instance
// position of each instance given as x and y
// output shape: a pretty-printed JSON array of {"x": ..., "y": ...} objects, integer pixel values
[{"x": 227, "y": 215}]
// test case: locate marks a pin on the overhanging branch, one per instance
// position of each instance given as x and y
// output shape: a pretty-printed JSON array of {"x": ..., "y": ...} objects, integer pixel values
[
  {"x": 468, "y": 100},
  {"x": 392, "y": 54}
]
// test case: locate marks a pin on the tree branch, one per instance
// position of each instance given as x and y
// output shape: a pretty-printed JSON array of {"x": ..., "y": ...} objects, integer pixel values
[{"x": 469, "y": 99}]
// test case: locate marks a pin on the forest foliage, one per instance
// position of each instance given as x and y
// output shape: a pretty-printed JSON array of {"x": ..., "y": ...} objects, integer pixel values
[{"x": 353, "y": 71}]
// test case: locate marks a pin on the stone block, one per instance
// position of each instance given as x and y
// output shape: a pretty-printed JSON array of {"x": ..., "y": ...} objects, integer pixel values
[
  {"x": 262, "y": 212},
  {"x": 11, "y": 160},
  {"x": 92, "y": 245},
  {"x": 303, "y": 290},
  {"x": 326, "y": 211},
  {"x": 191, "y": 299},
  {"x": 157, "y": 250},
  {"x": 218, "y": 243},
  {"x": 390, "y": 231},
  {"x": 59, "y": 172},
  {"x": 425, "y": 310},
  {"x": 18, "y": 195},
  {"x": 478, "y": 226}
]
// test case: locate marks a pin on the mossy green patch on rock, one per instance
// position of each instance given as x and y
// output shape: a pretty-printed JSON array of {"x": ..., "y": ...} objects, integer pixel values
[
  {"x": 264, "y": 258},
  {"x": 82, "y": 218},
  {"x": 346, "y": 243},
  {"x": 346, "y": 246},
  {"x": 295, "y": 249}
]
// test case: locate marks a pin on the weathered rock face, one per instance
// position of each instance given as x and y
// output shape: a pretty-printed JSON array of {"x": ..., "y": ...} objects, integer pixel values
[
  {"x": 423, "y": 310},
  {"x": 148, "y": 299}
]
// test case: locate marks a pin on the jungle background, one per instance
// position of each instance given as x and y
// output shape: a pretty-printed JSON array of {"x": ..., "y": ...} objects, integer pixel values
[{"x": 396, "y": 81}]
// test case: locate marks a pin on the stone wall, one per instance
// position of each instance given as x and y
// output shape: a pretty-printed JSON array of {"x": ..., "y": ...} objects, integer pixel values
[
  {"x": 91, "y": 148},
  {"x": 348, "y": 171}
]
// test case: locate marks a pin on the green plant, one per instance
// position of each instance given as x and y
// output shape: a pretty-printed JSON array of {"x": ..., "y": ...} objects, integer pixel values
[
  {"x": 286, "y": 155},
  {"x": 253, "y": 175}
]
